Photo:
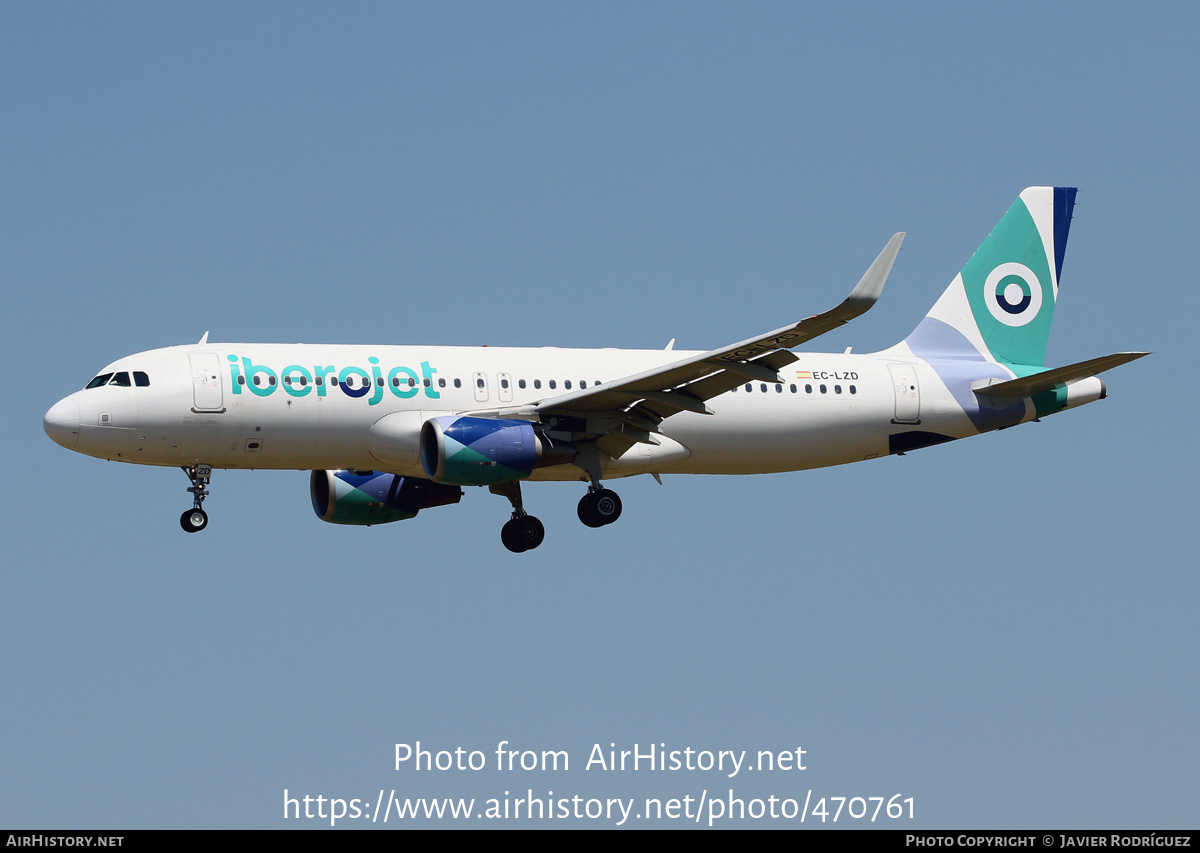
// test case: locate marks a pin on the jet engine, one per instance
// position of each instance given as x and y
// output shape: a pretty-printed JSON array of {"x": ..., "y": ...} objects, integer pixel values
[
  {"x": 371, "y": 497},
  {"x": 466, "y": 451}
]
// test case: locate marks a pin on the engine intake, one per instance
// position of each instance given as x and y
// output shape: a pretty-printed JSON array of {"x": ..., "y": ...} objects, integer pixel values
[
  {"x": 466, "y": 451},
  {"x": 365, "y": 498}
]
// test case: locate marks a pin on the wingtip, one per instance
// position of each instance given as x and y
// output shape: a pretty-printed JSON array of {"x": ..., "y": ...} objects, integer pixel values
[{"x": 870, "y": 286}]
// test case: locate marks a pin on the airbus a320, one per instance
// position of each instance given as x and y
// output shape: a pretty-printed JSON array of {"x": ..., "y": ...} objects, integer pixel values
[{"x": 390, "y": 430}]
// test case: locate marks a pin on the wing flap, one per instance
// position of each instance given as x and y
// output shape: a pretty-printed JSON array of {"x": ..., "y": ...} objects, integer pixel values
[{"x": 706, "y": 375}]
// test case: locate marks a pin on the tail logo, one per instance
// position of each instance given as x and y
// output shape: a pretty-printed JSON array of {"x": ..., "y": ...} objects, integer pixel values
[{"x": 1013, "y": 294}]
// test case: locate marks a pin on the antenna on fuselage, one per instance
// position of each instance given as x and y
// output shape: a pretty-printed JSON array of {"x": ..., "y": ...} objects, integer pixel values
[{"x": 203, "y": 339}]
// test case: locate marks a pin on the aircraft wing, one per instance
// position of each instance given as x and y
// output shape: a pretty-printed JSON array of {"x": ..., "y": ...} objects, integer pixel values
[{"x": 637, "y": 404}]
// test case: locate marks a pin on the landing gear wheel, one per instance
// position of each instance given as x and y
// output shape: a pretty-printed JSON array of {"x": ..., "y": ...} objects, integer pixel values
[
  {"x": 523, "y": 533},
  {"x": 196, "y": 519},
  {"x": 598, "y": 508},
  {"x": 193, "y": 520}
]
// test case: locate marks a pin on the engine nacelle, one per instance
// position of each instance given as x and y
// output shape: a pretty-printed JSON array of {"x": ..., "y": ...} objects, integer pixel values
[
  {"x": 466, "y": 451},
  {"x": 370, "y": 497}
]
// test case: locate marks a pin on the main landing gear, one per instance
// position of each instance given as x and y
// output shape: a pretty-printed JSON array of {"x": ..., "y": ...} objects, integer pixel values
[
  {"x": 599, "y": 506},
  {"x": 196, "y": 519},
  {"x": 522, "y": 532}
]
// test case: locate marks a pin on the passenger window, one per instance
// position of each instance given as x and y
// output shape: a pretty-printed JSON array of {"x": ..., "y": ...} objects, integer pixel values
[
  {"x": 504, "y": 384},
  {"x": 102, "y": 379},
  {"x": 140, "y": 379},
  {"x": 823, "y": 389},
  {"x": 120, "y": 379},
  {"x": 521, "y": 383},
  {"x": 793, "y": 389},
  {"x": 853, "y": 390},
  {"x": 763, "y": 387},
  {"x": 552, "y": 385},
  {"x": 537, "y": 383},
  {"x": 807, "y": 389},
  {"x": 779, "y": 389},
  {"x": 567, "y": 384},
  {"x": 457, "y": 383},
  {"x": 441, "y": 383},
  {"x": 837, "y": 389},
  {"x": 479, "y": 383},
  {"x": 583, "y": 383},
  {"x": 749, "y": 387}
]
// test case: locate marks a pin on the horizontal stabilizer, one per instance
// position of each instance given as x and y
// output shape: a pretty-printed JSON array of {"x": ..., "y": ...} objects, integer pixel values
[{"x": 1047, "y": 380}]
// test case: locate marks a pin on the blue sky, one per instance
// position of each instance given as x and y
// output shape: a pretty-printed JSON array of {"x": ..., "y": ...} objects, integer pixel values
[{"x": 1002, "y": 628}]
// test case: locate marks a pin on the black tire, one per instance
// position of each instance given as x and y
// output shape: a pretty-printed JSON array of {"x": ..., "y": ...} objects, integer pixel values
[
  {"x": 532, "y": 531},
  {"x": 587, "y": 511},
  {"x": 522, "y": 534},
  {"x": 193, "y": 520},
  {"x": 608, "y": 506},
  {"x": 511, "y": 537}
]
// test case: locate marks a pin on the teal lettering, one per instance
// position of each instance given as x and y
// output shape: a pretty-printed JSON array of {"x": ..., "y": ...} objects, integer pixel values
[
  {"x": 429, "y": 371},
  {"x": 298, "y": 381},
  {"x": 376, "y": 381},
  {"x": 290, "y": 386},
  {"x": 251, "y": 370},
  {"x": 234, "y": 373},
  {"x": 322, "y": 380},
  {"x": 405, "y": 390}
]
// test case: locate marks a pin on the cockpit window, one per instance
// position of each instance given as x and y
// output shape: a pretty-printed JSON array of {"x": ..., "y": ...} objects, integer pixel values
[
  {"x": 140, "y": 379},
  {"x": 102, "y": 379},
  {"x": 120, "y": 379}
]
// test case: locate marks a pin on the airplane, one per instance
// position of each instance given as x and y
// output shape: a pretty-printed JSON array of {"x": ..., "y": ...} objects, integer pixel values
[{"x": 390, "y": 430}]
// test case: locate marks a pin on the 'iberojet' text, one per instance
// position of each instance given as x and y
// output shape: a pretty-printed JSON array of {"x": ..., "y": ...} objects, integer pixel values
[
  {"x": 654, "y": 756},
  {"x": 297, "y": 380}
]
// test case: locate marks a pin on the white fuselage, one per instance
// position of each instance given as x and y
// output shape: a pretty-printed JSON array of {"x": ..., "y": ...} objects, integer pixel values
[{"x": 300, "y": 406}]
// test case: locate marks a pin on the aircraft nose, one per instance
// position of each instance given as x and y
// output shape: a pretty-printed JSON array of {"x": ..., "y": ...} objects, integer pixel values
[{"x": 62, "y": 423}]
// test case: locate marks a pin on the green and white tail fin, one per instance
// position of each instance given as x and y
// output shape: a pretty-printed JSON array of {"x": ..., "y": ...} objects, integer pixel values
[{"x": 1002, "y": 301}]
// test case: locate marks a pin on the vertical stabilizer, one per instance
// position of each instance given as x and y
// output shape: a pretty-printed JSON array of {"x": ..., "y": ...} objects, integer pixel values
[{"x": 1000, "y": 305}]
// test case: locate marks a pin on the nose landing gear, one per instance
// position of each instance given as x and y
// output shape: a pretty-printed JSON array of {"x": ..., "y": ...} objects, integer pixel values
[
  {"x": 193, "y": 520},
  {"x": 196, "y": 519}
]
